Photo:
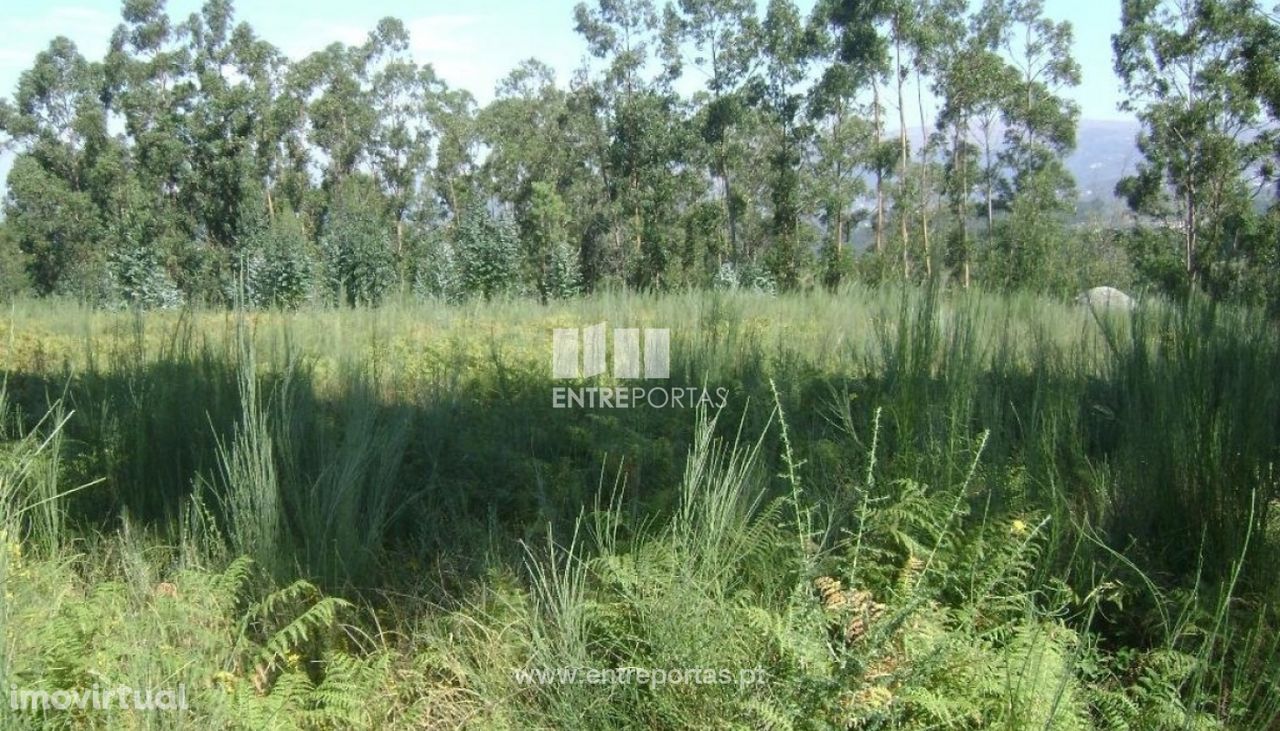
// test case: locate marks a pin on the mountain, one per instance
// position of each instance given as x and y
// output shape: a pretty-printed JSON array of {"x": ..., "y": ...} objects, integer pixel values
[{"x": 1105, "y": 152}]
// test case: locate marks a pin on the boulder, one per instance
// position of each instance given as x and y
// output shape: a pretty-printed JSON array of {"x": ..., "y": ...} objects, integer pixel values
[{"x": 1106, "y": 297}]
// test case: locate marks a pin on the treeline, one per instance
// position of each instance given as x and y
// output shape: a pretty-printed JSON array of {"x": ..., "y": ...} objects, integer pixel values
[{"x": 195, "y": 162}]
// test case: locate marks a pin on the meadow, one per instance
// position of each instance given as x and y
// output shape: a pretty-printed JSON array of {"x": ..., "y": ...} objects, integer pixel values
[{"x": 916, "y": 509}]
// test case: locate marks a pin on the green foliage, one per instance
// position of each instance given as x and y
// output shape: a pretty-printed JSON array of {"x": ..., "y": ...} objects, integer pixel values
[
  {"x": 141, "y": 278},
  {"x": 564, "y": 275},
  {"x": 487, "y": 254},
  {"x": 1194, "y": 76},
  {"x": 779, "y": 159},
  {"x": 1029, "y": 247},
  {"x": 13, "y": 266},
  {"x": 968, "y": 517},
  {"x": 278, "y": 264},
  {"x": 437, "y": 271},
  {"x": 356, "y": 246},
  {"x": 549, "y": 262}
]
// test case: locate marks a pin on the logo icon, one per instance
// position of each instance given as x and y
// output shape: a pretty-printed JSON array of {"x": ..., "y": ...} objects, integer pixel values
[{"x": 580, "y": 352}]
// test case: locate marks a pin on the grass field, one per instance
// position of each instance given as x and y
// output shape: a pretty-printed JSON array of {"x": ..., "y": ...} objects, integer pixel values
[{"x": 915, "y": 510}]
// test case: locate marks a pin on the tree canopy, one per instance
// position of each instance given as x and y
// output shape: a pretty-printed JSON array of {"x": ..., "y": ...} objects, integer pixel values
[{"x": 195, "y": 162}]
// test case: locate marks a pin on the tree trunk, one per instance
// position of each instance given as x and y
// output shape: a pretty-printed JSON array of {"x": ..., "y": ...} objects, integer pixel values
[
  {"x": 731, "y": 218},
  {"x": 875, "y": 89},
  {"x": 1189, "y": 236},
  {"x": 840, "y": 203},
  {"x": 964, "y": 213},
  {"x": 986, "y": 144},
  {"x": 902, "y": 142},
  {"x": 924, "y": 180}
]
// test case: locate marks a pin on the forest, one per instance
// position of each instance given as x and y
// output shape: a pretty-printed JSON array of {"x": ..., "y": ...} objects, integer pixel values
[
  {"x": 195, "y": 163},
  {"x": 770, "y": 371}
]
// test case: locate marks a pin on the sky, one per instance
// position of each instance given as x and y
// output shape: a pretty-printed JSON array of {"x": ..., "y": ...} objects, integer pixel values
[{"x": 471, "y": 43}]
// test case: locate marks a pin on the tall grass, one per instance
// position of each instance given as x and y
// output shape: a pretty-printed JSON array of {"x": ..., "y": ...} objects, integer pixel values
[{"x": 1032, "y": 481}]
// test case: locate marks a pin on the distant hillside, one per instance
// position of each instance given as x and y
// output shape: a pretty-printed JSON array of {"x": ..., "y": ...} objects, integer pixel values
[{"x": 1105, "y": 152}]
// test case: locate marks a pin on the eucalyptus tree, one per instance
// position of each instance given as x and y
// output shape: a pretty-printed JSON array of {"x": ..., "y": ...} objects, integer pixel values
[
  {"x": 66, "y": 166},
  {"x": 903, "y": 24},
  {"x": 645, "y": 129},
  {"x": 936, "y": 23},
  {"x": 1033, "y": 183},
  {"x": 340, "y": 86},
  {"x": 523, "y": 129},
  {"x": 1186, "y": 68},
  {"x": 972, "y": 83},
  {"x": 160, "y": 225},
  {"x": 1040, "y": 121},
  {"x": 724, "y": 37},
  {"x": 148, "y": 68},
  {"x": 232, "y": 78},
  {"x": 455, "y": 169},
  {"x": 401, "y": 147},
  {"x": 786, "y": 46},
  {"x": 836, "y": 160},
  {"x": 847, "y": 37}
]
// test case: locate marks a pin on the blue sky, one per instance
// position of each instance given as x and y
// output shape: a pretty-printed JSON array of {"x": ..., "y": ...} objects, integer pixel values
[{"x": 471, "y": 43}]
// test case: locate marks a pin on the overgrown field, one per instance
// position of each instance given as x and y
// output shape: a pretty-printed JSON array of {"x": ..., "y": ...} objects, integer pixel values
[{"x": 915, "y": 510}]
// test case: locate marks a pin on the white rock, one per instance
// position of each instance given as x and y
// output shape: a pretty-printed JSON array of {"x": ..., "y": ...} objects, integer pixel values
[{"x": 1106, "y": 297}]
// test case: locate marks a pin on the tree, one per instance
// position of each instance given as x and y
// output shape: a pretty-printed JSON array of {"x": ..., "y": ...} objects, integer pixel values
[
  {"x": 847, "y": 143},
  {"x": 403, "y": 134},
  {"x": 1185, "y": 66},
  {"x": 847, "y": 34},
  {"x": 278, "y": 270},
  {"x": 972, "y": 82},
  {"x": 543, "y": 220},
  {"x": 1040, "y": 123},
  {"x": 66, "y": 164},
  {"x": 777, "y": 93},
  {"x": 724, "y": 35},
  {"x": 488, "y": 257},
  {"x": 453, "y": 178},
  {"x": 356, "y": 246},
  {"x": 643, "y": 138}
]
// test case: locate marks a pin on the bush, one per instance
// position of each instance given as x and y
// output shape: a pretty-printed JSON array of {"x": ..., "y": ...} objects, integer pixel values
[
  {"x": 356, "y": 248},
  {"x": 564, "y": 276},
  {"x": 278, "y": 267},
  {"x": 141, "y": 280},
  {"x": 488, "y": 254},
  {"x": 13, "y": 267}
]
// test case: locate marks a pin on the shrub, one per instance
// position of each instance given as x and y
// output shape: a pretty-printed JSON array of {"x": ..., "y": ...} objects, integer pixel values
[
  {"x": 356, "y": 247},
  {"x": 278, "y": 270},
  {"x": 141, "y": 280},
  {"x": 436, "y": 272},
  {"x": 564, "y": 276},
  {"x": 488, "y": 254}
]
